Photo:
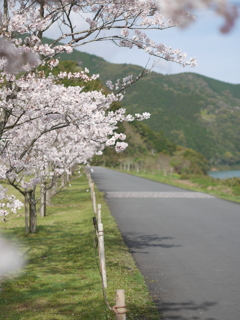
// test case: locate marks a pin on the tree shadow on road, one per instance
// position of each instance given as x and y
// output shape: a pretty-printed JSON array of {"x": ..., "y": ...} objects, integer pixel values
[
  {"x": 136, "y": 241},
  {"x": 189, "y": 310}
]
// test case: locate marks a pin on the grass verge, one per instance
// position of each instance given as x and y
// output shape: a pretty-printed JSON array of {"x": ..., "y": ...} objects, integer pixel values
[
  {"x": 61, "y": 279},
  {"x": 227, "y": 190}
]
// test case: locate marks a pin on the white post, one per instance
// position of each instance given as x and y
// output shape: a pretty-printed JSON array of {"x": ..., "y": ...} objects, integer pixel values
[
  {"x": 99, "y": 213},
  {"x": 93, "y": 196},
  {"x": 92, "y": 188},
  {"x": 102, "y": 254},
  {"x": 120, "y": 305},
  {"x": 89, "y": 179}
]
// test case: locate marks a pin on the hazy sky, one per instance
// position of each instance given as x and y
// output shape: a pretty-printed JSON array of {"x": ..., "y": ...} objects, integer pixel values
[{"x": 218, "y": 55}]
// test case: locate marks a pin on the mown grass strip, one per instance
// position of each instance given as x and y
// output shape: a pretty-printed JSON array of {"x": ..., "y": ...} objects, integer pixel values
[{"x": 61, "y": 279}]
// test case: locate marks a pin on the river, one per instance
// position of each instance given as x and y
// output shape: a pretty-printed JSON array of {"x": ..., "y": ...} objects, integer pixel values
[{"x": 224, "y": 174}]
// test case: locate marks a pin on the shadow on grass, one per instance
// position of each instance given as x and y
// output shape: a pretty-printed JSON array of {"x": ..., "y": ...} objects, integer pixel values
[
  {"x": 57, "y": 257},
  {"x": 61, "y": 279},
  {"x": 60, "y": 268},
  {"x": 53, "y": 302}
]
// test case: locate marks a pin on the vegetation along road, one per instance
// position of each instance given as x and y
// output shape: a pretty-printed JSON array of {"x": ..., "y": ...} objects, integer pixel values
[{"x": 186, "y": 244}]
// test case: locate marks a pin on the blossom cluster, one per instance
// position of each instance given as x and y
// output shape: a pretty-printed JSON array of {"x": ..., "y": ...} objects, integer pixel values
[
  {"x": 141, "y": 40},
  {"x": 8, "y": 203},
  {"x": 83, "y": 75},
  {"x": 181, "y": 11}
]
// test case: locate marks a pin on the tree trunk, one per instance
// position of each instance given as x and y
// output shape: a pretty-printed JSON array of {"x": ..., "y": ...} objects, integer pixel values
[
  {"x": 26, "y": 213},
  {"x": 63, "y": 180},
  {"x": 48, "y": 196},
  {"x": 68, "y": 177},
  {"x": 54, "y": 188},
  {"x": 43, "y": 200},
  {"x": 33, "y": 212}
]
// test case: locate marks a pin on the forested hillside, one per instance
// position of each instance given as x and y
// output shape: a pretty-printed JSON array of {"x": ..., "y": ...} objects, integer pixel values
[
  {"x": 193, "y": 111},
  {"x": 189, "y": 109}
]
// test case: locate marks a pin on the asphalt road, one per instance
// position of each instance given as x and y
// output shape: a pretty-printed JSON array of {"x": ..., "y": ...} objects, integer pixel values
[{"x": 187, "y": 245}]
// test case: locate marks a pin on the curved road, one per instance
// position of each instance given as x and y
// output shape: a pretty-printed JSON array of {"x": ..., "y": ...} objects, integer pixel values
[{"x": 186, "y": 244}]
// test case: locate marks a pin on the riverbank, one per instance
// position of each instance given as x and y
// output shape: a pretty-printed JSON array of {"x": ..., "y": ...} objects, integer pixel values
[
  {"x": 224, "y": 174},
  {"x": 61, "y": 279}
]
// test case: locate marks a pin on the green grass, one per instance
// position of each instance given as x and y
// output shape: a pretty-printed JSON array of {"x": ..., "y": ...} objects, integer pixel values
[
  {"x": 61, "y": 278},
  {"x": 202, "y": 183}
]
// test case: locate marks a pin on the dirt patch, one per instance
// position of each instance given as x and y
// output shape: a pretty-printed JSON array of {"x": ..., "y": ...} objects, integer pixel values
[
  {"x": 229, "y": 191},
  {"x": 221, "y": 189},
  {"x": 188, "y": 183},
  {"x": 211, "y": 188}
]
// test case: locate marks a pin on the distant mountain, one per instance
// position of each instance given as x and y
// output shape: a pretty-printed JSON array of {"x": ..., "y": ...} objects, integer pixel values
[{"x": 191, "y": 110}]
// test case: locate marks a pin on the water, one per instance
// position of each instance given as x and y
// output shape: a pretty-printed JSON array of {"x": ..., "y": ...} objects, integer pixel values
[{"x": 224, "y": 174}]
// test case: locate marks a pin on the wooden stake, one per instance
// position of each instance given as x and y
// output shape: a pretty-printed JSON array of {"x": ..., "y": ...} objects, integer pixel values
[
  {"x": 120, "y": 305},
  {"x": 94, "y": 203},
  {"x": 89, "y": 179},
  {"x": 92, "y": 189},
  {"x": 102, "y": 255},
  {"x": 99, "y": 213}
]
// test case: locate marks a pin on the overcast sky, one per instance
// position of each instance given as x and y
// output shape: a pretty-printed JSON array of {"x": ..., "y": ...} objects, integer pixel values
[{"x": 218, "y": 55}]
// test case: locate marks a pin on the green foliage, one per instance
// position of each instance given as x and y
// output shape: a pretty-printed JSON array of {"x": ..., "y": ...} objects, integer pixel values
[
  {"x": 231, "y": 182},
  {"x": 154, "y": 140},
  {"x": 198, "y": 163},
  {"x": 142, "y": 143},
  {"x": 188, "y": 162},
  {"x": 72, "y": 66}
]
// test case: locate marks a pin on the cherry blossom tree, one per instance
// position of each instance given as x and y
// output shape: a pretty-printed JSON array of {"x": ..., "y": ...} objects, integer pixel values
[
  {"x": 52, "y": 127},
  {"x": 34, "y": 110},
  {"x": 29, "y": 97}
]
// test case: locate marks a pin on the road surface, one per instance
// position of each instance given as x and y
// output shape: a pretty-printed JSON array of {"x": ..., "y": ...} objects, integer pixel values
[{"x": 186, "y": 244}]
